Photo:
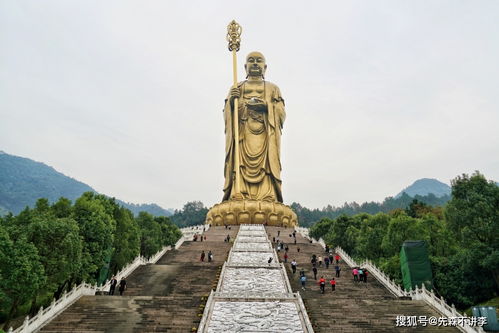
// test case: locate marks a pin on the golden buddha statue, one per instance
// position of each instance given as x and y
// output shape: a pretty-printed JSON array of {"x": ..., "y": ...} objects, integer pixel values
[{"x": 260, "y": 117}]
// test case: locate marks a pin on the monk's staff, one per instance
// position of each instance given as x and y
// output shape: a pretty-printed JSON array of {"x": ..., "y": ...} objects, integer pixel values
[{"x": 234, "y": 31}]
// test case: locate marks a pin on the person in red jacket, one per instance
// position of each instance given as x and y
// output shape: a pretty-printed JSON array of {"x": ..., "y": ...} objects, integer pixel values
[
  {"x": 333, "y": 284},
  {"x": 322, "y": 284}
]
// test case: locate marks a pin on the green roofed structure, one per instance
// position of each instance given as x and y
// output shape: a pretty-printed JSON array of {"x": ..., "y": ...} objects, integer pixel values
[{"x": 415, "y": 265}]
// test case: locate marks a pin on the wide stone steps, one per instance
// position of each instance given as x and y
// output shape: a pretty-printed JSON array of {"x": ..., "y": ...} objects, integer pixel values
[
  {"x": 353, "y": 306},
  {"x": 165, "y": 297}
]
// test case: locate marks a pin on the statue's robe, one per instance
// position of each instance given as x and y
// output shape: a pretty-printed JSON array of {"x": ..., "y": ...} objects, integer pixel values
[{"x": 259, "y": 146}]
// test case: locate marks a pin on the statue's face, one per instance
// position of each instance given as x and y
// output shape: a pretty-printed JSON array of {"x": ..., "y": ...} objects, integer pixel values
[{"x": 255, "y": 64}]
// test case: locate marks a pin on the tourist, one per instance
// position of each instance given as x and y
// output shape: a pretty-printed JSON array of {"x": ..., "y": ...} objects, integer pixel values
[
  {"x": 303, "y": 279},
  {"x": 293, "y": 266},
  {"x": 313, "y": 260},
  {"x": 270, "y": 260},
  {"x": 315, "y": 272},
  {"x": 114, "y": 282},
  {"x": 337, "y": 257},
  {"x": 320, "y": 261},
  {"x": 302, "y": 272},
  {"x": 322, "y": 284},
  {"x": 298, "y": 249},
  {"x": 210, "y": 256},
  {"x": 337, "y": 268},
  {"x": 355, "y": 273},
  {"x": 278, "y": 233},
  {"x": 285, "y": 257},
  {"x": 331, "y": 258},
  {"x": 361, "y": 274},
  {"x": 202, "y": 255},
  {"x": 333, "y": 284},
  {"x": 122, "y": 287},
  {"x": 365, "y": 276},
  {"x": 286, "y": 248},
  {"x": 326, "y": 249},
  {"x": 326, "y": 262}
]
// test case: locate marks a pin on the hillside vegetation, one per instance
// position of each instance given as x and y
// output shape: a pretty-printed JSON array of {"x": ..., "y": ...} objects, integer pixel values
[
  {"x": 53, "y": 247},
  {"x": 462, "y": 239}
]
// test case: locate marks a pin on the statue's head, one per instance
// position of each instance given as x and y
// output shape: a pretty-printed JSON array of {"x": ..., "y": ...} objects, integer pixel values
[{"x": 255, "y": 65}]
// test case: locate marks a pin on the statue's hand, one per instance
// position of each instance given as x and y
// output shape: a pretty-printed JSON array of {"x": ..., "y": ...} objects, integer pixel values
[{"x": 234, "y": 93}]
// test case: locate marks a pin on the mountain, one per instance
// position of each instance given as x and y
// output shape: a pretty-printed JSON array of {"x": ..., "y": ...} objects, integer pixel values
[
  {"x": 425, "y": 186},
  {"x": 23, "y": 181}
]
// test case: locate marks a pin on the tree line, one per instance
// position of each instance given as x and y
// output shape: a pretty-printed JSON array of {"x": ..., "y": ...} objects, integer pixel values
[
  {"x": 49, "y": 249},
  {"x": 462, "y": 239},
  {"x": 307, "y": 217}
]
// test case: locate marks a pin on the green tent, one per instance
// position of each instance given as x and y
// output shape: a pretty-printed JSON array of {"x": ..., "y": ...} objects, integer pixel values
[{"x": 415, "y": 265}]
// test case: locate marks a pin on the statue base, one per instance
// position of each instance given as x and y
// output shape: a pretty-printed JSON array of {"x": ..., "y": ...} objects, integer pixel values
[{"x": 246, "y": 211}]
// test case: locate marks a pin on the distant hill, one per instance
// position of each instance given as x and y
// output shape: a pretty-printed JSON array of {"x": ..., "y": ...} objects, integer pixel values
[
  {"x": 425, "y": 186},
  {"x": 23, "y": 181}
]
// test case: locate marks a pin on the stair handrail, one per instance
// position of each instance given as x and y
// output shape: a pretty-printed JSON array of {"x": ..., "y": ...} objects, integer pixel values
[
  {"x": 45, "y": 315},
  {"x": 439, "y": 304},
  {"x": 345, "y": 257},
  {"x": 303, "y": 311},
  {"x": 389, "y": 284}
]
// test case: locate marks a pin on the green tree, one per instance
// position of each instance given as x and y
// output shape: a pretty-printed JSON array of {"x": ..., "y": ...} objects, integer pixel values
[
  {"x": 21, "y": 273},
  {"x": 150, "y": 234},
  {"x": 60, "y": 262},
  {"x": 371, "y": 234},
  {"x": 126, "y": 238},
  {"x": 169, "y": 232},
  {"x": 97, "y": 226},
  {"x": 193, "y": 212},
  {"x": 473, "y": 216},
  {"x": 62, "y": 208},
  {"x": 400, "y": 229}
]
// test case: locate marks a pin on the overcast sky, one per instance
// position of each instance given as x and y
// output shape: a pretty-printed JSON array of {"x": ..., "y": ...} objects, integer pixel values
[{"x": 127, "y": 96}]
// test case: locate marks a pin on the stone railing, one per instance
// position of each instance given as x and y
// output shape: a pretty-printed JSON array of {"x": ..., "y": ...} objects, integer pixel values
[
  {"x": 442, "y": 307},
  {"x": 385, "y": 280},
  {"x": 208, "y": 309},
  {"x": 303, "y": 311},
  {"x": 189, "y": 232},
  {"x": 45, "y": 315},
  {"x": 345, "y": 257}
]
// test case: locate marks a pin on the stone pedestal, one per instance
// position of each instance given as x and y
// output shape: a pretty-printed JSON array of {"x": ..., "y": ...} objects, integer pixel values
[{"x": 247, "y": 211}]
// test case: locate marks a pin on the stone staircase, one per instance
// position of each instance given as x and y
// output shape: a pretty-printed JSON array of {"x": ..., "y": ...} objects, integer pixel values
[
  {"x": 353, "y": 306},
  {"x": 168, "y": 296}
]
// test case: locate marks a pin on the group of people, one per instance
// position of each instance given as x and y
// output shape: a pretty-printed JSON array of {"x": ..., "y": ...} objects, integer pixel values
[
  {"x": 360, "y": 274},
  {"x": 203, "y": 256},
  {"x": 114, "y": 283},
  {"x": 200, "y": 237},
  {"x": 318, "y": 261}
]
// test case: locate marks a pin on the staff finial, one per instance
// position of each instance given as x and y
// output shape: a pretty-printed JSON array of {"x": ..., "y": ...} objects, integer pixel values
[{"x": 234, "y": 31}]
